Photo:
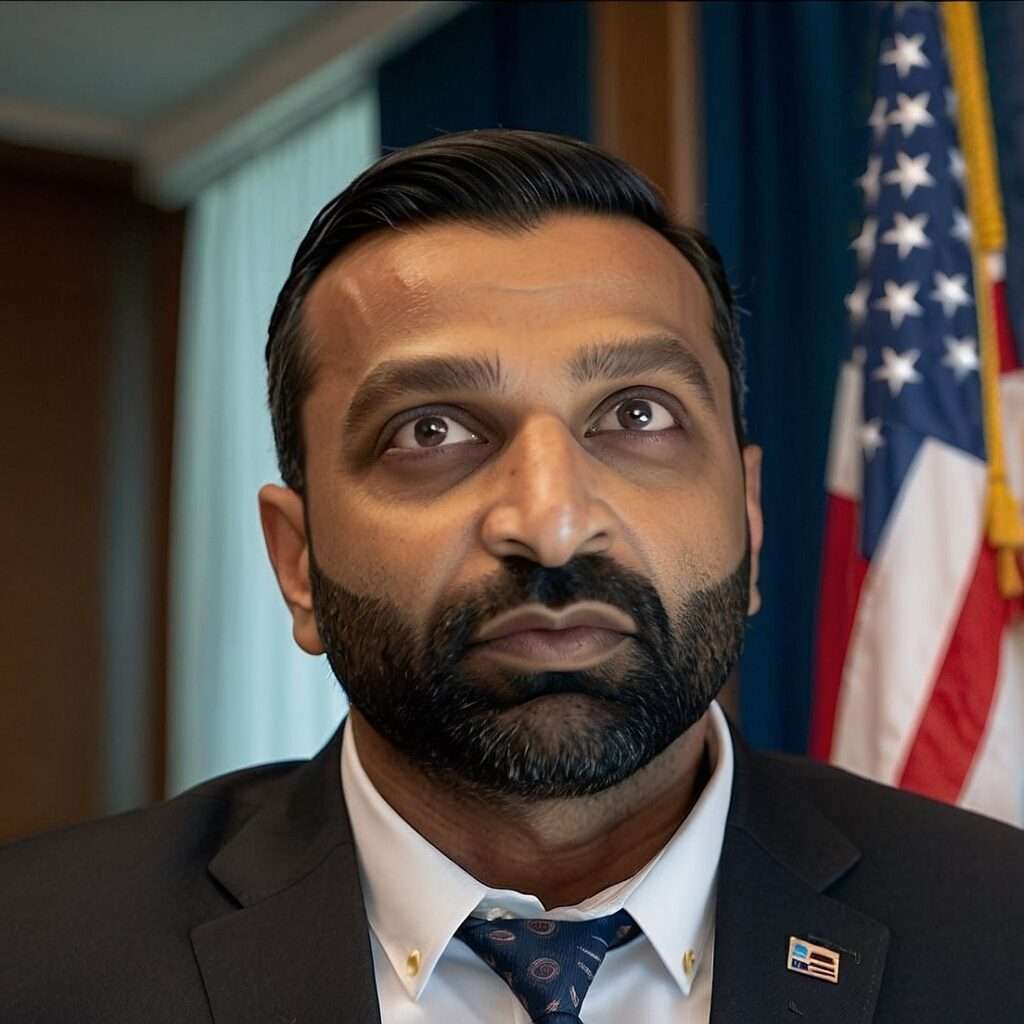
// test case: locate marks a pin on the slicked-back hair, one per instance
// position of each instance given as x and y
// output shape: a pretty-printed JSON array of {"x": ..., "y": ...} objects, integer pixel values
[{"x": 501, "y": 180}]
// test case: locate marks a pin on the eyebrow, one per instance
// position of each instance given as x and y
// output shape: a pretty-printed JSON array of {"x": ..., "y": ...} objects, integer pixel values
[
  {"x": 632, "y": 357},
  {"x": 609, "y": 360}
]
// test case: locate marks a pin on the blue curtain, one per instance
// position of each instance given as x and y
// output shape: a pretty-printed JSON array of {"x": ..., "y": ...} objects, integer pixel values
[
  {"x": 522, "y": 65},
  {"x": 1002, "y": 23},
  {"x": 786, "y": 94}
]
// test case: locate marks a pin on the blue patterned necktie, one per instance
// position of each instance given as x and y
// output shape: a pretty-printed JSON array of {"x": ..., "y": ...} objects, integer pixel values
[{"x": 549, "y": 965}]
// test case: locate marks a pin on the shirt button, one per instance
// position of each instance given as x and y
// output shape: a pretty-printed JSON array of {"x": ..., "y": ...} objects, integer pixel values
[
  {"x": 412, "y": 963},
  {"x": 689, "y": 962}
]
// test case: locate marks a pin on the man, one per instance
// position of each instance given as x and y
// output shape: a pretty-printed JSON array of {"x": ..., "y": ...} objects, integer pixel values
[{"x": 520, "y": 517}]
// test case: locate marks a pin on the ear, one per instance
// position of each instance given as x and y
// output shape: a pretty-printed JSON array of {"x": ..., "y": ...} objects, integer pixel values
[
  {"x": 284, "y": 530},
  {"x": 755, "y": 522}
]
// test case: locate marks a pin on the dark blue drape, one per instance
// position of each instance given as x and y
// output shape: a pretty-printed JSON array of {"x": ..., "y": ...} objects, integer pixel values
[
  {"x": 787, "y": 90},
  {"x": 1003, "y": 27},
  {"x": 522, "y": 65}
]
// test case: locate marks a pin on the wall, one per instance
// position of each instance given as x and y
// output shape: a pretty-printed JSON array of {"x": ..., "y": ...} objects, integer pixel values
[{"x": 71, "y": 228}]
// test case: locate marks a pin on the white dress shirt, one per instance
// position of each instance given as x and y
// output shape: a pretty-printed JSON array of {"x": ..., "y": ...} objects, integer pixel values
[{"x": 416, "y": 898}]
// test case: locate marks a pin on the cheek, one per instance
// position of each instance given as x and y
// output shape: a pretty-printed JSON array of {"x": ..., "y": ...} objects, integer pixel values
[
  {"x": 691, "y": 542},
  {"x": 403, "y": 555}
]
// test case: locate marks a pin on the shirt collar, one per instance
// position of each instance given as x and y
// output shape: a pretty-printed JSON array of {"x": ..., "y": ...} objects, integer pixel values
[
  {"x": 416, "y": 897},
  {"x": 673, "y": 899}
]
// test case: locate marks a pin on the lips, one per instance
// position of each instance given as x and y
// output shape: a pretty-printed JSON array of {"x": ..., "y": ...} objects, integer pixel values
[{"x": 589, "y": 614}]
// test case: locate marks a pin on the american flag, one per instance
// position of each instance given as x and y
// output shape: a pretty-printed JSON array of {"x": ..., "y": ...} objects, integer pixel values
[{"x": 920, "y": 679}]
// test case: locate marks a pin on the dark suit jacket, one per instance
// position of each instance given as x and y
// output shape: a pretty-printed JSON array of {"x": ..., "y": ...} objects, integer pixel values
[{"x": 239, "y": 903}]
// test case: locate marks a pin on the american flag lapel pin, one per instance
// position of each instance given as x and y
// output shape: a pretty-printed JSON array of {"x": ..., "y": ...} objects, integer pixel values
[{"x": 814, "y": 961}]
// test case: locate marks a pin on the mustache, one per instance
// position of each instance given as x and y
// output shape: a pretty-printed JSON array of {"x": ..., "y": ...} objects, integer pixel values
[{"x": 521, "y": 581}]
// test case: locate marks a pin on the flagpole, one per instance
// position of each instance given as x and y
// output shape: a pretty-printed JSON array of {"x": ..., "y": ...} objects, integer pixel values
[{"x": 988, "y": 236}]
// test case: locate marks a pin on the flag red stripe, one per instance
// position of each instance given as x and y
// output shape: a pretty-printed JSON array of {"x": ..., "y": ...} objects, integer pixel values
[
  {"x": 1004, "y": 331},
  {"x": 842, "y": 575},
  {"x": 956, "y": 715}
]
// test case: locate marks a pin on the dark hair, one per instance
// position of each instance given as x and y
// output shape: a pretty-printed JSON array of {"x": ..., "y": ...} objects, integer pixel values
[{"x": 499, "y": 179}]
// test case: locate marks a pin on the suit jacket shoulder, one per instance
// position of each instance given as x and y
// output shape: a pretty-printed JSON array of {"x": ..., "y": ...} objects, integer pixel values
[
  {"x": 898, "y": 830},
  {"x": 924, "y": 903},
  {"x": 96, "y": 917}
]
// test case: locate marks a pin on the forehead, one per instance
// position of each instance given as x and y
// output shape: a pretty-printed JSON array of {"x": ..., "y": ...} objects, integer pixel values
[{"x": 464, "y": 287}]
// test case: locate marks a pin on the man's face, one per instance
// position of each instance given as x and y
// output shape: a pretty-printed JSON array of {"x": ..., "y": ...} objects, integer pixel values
[{"x": 535, "y": 421}]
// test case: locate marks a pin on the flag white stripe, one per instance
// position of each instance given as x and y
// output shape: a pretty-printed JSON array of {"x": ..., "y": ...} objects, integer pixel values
[
  {"x": 845, "y": 460},
  {"x": 1011, "y": 400},
  {"x": 995, "y": 783},
  {"x": 909, "y": 606}
]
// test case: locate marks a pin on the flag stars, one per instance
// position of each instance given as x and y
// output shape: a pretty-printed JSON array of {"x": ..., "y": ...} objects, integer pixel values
[
  {"x": 857, "y": 302},
  {"x": 871, "y": 438},
  {"x": 961, "y": 356},
  {"x": 906, "y": 54},
  {"x": 912, "y": 112},
  {"x": 878, "y": 122},
  {"x": 898, "y": 369},
  {"x": 961, "y": 227},
  {"x": 911, "y": 173},
  {"x": 868, "y": 181},
  {"x": 956, "y": 164},
  {"x": 899, "y": 301},
  {"x": 950, "y": 292},
  {"x": 908, "y": 234},
  {"x": 864, "y": 243}
]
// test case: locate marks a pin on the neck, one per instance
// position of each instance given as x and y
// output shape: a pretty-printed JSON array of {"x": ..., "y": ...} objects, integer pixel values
[{"x": 561, "y": 851}]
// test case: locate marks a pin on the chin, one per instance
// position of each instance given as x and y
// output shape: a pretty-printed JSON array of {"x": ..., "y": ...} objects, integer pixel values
[{"x": 561, "y": 716}]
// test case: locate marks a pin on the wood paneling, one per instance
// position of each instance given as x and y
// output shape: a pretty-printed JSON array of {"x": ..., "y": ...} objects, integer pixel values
[
  {"x": 645, "y": 74},
  {"x": 54, "y": 251},
  {"x": 59, "y": 231}
]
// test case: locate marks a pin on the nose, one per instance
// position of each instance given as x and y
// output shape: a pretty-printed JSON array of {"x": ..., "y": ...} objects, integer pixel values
[{"x": 547, "y": 508}]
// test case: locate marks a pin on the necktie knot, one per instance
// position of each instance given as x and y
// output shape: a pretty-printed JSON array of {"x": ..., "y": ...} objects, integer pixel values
[{"x": 549, "y": 965}]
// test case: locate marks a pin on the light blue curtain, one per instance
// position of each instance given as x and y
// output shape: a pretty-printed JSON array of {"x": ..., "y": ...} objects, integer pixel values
[{"x": 239, "y": 691}]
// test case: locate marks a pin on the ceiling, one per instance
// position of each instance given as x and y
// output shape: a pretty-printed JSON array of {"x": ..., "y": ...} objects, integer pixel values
[
  {"x": 134, "y": 62},
  {"x": 184, "y": 89}
]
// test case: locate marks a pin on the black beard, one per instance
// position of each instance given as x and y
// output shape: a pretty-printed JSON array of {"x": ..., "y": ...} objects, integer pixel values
[{"x": 480, "y": 730}]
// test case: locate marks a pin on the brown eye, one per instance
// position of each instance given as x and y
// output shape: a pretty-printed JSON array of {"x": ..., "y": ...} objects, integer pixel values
[
  {"x": 432, "y": 431},
  {"x": 636, "y": 415}
]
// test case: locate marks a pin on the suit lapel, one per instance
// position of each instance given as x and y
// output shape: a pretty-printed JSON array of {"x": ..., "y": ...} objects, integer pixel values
[
  {"x": 780, "y": 855},
  {"x": 297, "y": 949}
]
